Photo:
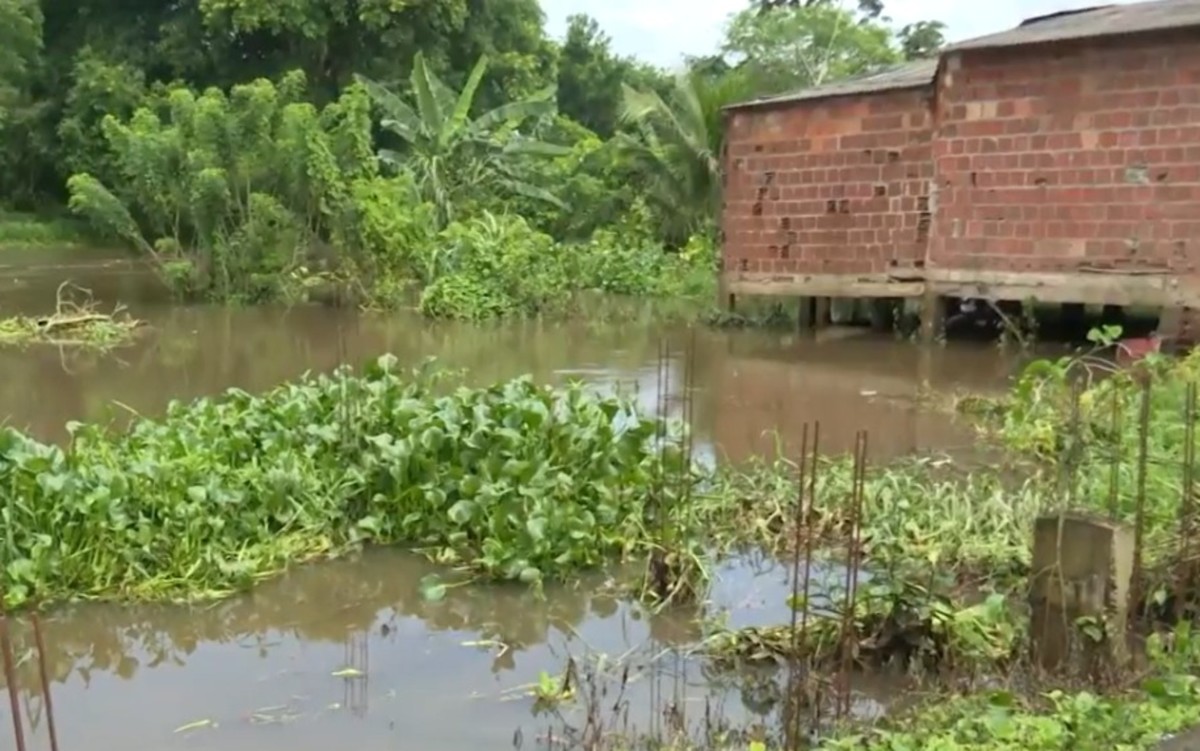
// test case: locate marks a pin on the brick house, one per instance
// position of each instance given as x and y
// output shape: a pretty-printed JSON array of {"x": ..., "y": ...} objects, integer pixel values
[{"x": 1059, "y": 160}]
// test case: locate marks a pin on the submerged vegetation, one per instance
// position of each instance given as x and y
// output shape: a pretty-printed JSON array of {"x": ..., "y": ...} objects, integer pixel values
[
  {"x": 515, "y": 481},
  {"x": 76, "y": 322}
]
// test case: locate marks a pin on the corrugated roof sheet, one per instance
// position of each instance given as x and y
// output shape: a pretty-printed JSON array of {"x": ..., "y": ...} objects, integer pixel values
[
  {"x": 1101, "y": 21},
  {"x": 907, "y": 76}
]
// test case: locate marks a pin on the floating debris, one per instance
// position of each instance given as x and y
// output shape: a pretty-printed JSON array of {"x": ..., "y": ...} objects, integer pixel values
[
  {"x": 73, "y": 323},
  {"x": 197, "y": 725}
]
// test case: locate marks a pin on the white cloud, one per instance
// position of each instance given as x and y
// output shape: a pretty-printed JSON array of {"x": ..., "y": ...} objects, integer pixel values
[{"x": 664, "y": 31}]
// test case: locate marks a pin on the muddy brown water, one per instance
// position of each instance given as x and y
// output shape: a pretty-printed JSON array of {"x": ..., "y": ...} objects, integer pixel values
[{"x": 258, "y": 670}]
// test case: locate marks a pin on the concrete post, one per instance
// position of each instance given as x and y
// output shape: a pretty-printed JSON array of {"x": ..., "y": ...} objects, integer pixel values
[
  {"x": 1082, "y": 568},
  {"x": 933, "y": 316},
  {"x": 821, "y": 316},
  {"x": 882, "y": 313},
  {"x": 807, "y": 313}
]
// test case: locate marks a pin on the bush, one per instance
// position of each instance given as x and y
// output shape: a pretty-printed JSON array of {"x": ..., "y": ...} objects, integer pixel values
[{"x": 493, "y": 266}]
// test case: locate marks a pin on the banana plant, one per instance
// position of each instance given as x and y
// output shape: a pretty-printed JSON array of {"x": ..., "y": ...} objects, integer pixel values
[{"x": 451, "y": 155}]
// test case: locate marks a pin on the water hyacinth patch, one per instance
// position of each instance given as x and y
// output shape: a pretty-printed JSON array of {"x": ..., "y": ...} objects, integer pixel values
[{"x": 515, "y": 481}]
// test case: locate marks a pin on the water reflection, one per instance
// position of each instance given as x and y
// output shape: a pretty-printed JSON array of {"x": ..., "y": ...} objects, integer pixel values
[
  {"x": 750, "y": 384},
  {"x": 351, "y": 647}
]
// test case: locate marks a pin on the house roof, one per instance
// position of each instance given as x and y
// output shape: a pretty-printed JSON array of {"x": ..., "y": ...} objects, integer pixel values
[
  {"x": 907, "y": 76},
  {"x": 1085, "y": 23},
  {"x": 1088, "y": 23}
]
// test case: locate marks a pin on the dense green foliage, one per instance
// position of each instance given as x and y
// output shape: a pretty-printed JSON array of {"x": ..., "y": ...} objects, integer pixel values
[
  {"x": 514, "y": 481},
  {"x": 1080, "y": 421},
  {"x": 334, "y": 149},
  {"x": 1165, "y": 703}
]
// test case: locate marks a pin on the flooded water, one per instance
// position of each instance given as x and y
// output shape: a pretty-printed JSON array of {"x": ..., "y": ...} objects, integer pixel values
[
  {"x": 268, "y": 670},
  {"x": 750, "y": 385},
  {"x": 258, "y": 671}
]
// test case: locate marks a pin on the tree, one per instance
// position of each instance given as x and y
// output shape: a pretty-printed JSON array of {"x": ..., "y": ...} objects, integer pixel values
[
  {"x": 226, "y": 193},
  {"x": 20, "y": 114},
  {"x": 89, "y": 44},
  {"x": 807, "y": 45},
  {"x": 511, "y": 35},
  {"x": 676, "y": 148},
  {"x": 589, "y": 77},
  {"x": 20, "y": 44},
  {"x": 868, "y": 8},
  {"x": 922, "y": 39},
  {"x": 451, "y": 155}
]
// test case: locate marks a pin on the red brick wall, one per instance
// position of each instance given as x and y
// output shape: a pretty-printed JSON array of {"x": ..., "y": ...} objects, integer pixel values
[
  {"x": 1056, "y": 158},
  {"x": 836, "y": 185}
]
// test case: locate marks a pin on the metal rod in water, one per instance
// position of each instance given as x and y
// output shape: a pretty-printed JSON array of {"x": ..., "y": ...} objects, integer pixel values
[
  {"x": 1140, "y": 513},
  {"x": 40, "y": 641},
  {"x": 810, "y": 513},
  {"x": 1184, "y": 577},
  {"x": 798, "y": 522},
  {"x": 10, "y": 676},
  {"x": 797, "y": 542},
  {"x": 1114, "y": 472}
]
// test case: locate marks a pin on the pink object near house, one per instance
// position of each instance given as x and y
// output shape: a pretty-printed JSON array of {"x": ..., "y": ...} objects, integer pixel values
[{"x": 1133, "y": 349}]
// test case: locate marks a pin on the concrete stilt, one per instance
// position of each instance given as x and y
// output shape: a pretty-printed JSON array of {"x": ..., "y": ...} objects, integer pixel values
[
  {"x": 807, "y": 313},
  {"x": 821, "y": 315},
  {"x": 882, "y": 313},
  {"x": 933, "y": 317},
  {"x": 1082, "y": 569}
]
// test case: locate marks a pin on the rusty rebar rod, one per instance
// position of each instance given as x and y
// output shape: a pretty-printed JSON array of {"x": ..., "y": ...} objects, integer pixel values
[
  {"x": 10, "y": 677},
  {"x": 792, "y": 726},
  {"x": 40, "y": 642},
  {"x": 1139, "y": 522}
]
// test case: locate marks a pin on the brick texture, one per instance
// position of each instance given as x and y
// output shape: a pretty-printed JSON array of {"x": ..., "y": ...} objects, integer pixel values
[
  {"x": 1057, "y": 158},
  {"x": 836, "y": 186},
  {"x": 1046, "y": 158}
]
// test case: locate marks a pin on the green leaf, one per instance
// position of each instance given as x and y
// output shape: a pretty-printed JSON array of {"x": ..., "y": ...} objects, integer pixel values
[
  {"x": 462, "y": 511},
  {"x": 399, "y": 117},
  {"x": 462, "y": 109},
  {"x": 529, "y": 575},
  {"x": 432, "y": 588},
  {"x": 536, "y": 526},
  {"x": 370, "y": 524},
  {"x": 424, "y": 84}
]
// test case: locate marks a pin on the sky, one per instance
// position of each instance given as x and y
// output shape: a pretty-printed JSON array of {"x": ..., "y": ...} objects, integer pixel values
[{"x": 664, "y": 31}]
